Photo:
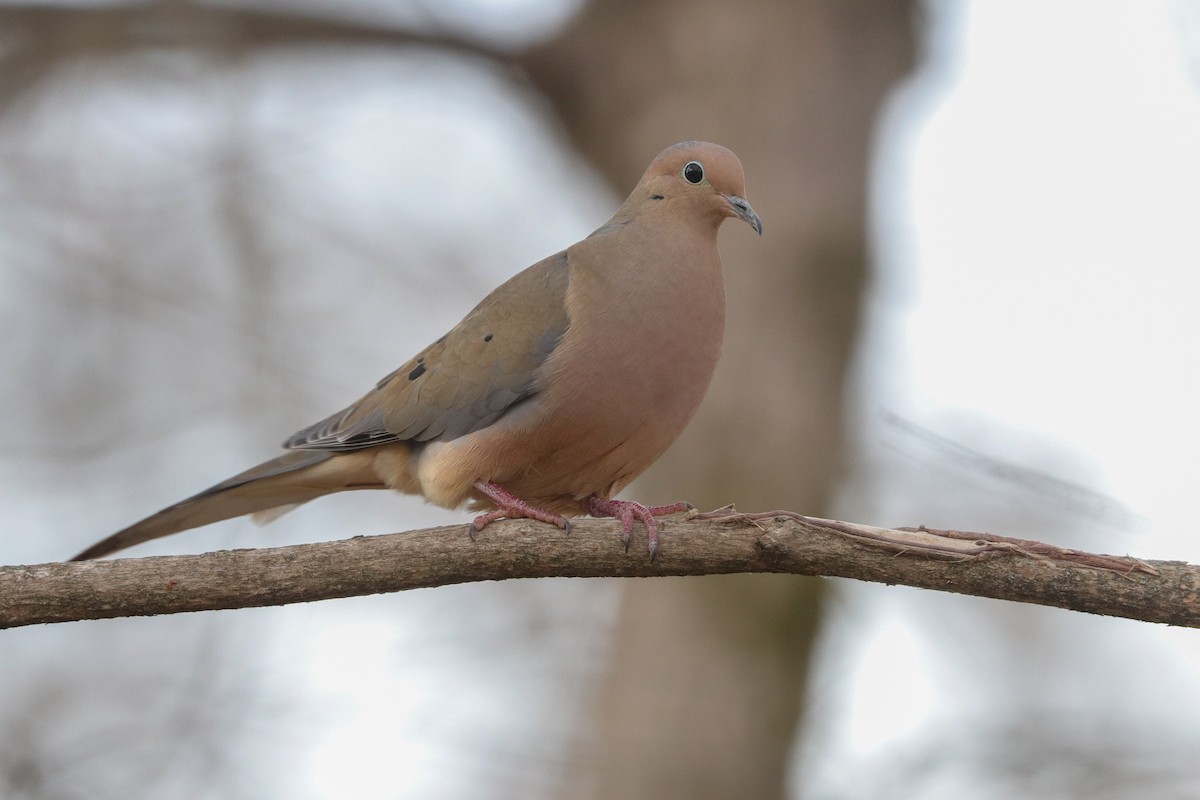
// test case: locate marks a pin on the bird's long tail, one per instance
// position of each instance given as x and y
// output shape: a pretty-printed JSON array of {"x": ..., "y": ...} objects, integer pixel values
[{"x": 267, "y": 490}]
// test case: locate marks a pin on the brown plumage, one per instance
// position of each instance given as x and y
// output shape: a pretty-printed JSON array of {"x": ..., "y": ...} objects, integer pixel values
[{"x": 556, "y": 391}]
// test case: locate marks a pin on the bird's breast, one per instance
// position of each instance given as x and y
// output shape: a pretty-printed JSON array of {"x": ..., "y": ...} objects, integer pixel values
[{"x": 642, "y": 343}]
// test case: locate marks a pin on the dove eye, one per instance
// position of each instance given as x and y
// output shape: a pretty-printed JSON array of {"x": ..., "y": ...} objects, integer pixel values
[{"x": 693, "y": 172}]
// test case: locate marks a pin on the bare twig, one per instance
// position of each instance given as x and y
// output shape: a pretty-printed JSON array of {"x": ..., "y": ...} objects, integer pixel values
[{"x": 696, "y": 544}]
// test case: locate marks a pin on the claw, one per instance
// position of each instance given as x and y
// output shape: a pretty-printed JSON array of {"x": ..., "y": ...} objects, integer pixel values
[
  {"x": 627, "y": 510},
  {"x": 509, "y": 506}
]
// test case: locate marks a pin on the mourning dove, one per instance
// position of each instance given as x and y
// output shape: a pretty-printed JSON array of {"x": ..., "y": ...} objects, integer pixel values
[{"x": 555, "y": 392}]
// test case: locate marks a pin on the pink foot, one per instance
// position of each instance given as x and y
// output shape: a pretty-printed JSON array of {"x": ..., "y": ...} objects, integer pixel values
[
  {"x": 509, "y": 506},
  {"x": 627, "y": 511}
]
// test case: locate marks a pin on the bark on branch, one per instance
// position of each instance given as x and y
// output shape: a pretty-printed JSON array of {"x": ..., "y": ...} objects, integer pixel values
[{"x": 696, "y": 544}]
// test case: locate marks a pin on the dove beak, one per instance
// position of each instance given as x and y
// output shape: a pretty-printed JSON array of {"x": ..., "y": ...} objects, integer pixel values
[{"x": 742, "y": 210}]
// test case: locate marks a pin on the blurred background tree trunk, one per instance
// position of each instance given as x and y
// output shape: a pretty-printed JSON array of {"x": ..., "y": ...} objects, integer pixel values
[{"x": 706, "y": 689}]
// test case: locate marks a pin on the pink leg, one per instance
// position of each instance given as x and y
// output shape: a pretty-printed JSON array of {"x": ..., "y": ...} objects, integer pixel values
[
  {"x": 509, "y": 506},
  {"x": 627, "y": 511}
]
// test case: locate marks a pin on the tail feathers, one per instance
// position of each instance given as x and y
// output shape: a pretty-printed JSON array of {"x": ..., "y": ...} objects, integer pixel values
[
  {"x": 272, "y": 514},
  {"x": 266, "y": 491}
]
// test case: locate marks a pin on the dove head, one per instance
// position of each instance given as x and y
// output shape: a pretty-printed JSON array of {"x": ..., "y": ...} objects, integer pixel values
[{"x": 705, "y": 179}]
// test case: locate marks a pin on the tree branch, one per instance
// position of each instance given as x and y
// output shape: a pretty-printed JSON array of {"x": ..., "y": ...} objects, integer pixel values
[
  {"x": 697, "y": 544},
  {"x": 37, "y": 37}
]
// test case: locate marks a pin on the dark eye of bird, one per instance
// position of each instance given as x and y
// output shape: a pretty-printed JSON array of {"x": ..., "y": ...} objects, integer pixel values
[{"x": 693, "y": 172}]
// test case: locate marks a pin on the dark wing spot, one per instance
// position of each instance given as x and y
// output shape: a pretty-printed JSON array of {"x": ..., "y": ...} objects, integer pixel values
[
  {"x": 417, "y": 372},
  {"x": 656, "y": 197},
  {"x": 487, "y": 338}
]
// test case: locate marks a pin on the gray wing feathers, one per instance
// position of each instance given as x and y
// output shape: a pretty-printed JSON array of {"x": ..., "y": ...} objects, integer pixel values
[{"x": 466, "y": 380}]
